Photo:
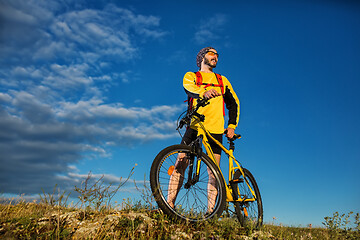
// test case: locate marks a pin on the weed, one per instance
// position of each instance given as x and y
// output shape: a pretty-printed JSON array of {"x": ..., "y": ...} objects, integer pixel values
[
  {"x": 146, "y": 195},
  {"x": 357, "y": 222},
  {"x": 52, "y": 199},
  {"x": 341, "y": 222},
  {"x": 97, "y": 196},
  {"x": 340, "y": 226},
  {"x": 23, "y": 221},
  {"x": 96, "y": 219}
]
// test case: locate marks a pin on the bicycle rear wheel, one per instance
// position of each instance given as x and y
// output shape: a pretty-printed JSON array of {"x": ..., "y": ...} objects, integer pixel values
[
  {"x": 249, "y": 213},
  {"x": 191, "y": 202}
]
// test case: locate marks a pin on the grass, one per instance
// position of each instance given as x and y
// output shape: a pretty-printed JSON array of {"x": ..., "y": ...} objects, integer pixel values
[
  {"x": 95, "y": 218},
  {"x": 41, "y": 221}
]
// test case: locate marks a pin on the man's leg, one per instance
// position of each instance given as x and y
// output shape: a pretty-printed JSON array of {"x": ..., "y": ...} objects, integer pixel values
[
  {"x": 177, "y": 178},
  {"x": 212, "y": 190}
]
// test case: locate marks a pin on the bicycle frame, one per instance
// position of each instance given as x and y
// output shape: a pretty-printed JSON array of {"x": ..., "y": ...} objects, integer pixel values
[{"x": 232, "y": 168}]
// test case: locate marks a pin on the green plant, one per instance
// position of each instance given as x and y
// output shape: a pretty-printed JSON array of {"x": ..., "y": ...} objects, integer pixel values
[
  {"x": 357, "y": 222},
  {"x": 22, "y": 220},
  {"x": 340, "y": 226},
  {"x": 338, "y": 222}
]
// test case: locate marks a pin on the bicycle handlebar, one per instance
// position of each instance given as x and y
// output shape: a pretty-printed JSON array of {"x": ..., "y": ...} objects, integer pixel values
[
  {"x": 187, "y": 119},
  {"x": 202, "y": 102},
  {"x": 236, "y": 136}
]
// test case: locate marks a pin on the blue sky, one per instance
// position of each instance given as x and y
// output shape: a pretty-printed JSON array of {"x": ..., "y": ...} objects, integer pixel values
[{"x": 97, "y": 86}]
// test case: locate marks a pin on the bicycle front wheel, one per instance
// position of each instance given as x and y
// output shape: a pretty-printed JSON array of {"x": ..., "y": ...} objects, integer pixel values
[
  {"x": 177, "y": 190},
  {"x": 249, "y": 212}
]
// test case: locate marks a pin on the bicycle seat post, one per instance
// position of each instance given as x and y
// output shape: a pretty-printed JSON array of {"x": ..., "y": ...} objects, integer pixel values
[{"x": 232, "y": 145}]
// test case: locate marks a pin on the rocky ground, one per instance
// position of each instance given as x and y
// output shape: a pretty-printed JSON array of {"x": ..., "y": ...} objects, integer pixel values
[
  {"x": 78, "y": 224},
  {"x": 39, "y": 221}
]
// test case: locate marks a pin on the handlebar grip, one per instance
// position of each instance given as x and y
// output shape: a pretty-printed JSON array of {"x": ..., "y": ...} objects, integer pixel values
[{"x": 236, "y": 136}]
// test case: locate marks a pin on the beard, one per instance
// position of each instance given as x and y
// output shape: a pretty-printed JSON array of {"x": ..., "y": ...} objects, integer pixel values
[{"x": 209, "y": 63}]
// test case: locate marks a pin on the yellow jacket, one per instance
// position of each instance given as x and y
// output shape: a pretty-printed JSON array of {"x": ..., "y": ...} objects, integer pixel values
[{"x": 214, "y": 118}]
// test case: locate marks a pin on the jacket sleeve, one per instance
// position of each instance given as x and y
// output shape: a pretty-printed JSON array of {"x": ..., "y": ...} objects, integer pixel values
[
  {"x": 191, "y": 89},
  {"x": 232, "y": 104}
]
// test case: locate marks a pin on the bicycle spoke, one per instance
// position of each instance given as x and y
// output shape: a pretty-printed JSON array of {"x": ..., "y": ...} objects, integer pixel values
[
  {"x": 249, "y": 211},
  {"x": 190, "y": 203}
]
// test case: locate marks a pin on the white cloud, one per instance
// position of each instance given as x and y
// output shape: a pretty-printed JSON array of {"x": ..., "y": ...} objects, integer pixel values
[
  {"x": 210, "y": 29},
  {"x": 65, "y": 77},
  {"x": 67, "y": 51},
  {"x": 17, "y": 15},
  {"x": 82, "y": 35},
  {"x": 4, "y": 97},
  {"x": 38, "y": 139},
  {"x": 54, "y": 76}
]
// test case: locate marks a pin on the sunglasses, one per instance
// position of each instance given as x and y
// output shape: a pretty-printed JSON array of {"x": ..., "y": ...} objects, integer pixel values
[{"x": 211, "y": 53}]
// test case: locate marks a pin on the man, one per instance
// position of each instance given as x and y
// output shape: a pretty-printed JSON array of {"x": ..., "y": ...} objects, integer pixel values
[{"x": 219, "y": 91}]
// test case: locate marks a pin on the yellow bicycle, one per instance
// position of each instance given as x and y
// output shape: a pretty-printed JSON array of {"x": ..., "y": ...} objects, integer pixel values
[{"x": 193, "y": 190}]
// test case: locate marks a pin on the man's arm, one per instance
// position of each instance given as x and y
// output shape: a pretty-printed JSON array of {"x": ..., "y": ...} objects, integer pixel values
[
  {"x": 194, "y": 91},
  {"x": 233, "y": 105},
  {"x": 190, "y": 87}
]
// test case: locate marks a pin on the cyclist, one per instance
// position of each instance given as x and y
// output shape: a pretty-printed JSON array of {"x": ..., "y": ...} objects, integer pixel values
[{"x": 219, "y": 91}]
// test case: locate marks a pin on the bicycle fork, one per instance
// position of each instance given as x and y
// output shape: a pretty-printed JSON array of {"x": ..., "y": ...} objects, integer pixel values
[{"x": 196, "y": 151}]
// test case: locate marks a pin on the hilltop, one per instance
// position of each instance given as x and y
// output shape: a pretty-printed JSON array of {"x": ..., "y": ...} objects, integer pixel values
[{"x": 42, "y": 221}]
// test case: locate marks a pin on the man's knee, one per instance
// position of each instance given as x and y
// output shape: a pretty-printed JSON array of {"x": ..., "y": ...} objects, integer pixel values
[{"x": 181, "y": 162}]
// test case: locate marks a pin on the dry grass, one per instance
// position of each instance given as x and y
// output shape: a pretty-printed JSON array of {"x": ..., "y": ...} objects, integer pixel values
[
  {"x": 40, "y": 221},
  {"x": 98, "y": 218}
]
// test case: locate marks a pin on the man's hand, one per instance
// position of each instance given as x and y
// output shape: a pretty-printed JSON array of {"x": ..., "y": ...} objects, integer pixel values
[
  {"x": 230, "y": 132},
  {"x": 211, "y": 94}
]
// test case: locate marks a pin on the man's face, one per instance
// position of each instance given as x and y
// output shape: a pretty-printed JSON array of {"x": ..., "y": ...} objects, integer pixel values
[{"x": 211, "y": 58}]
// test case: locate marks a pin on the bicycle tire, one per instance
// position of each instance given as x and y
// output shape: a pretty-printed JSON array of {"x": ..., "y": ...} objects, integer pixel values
[
  {"x": 249, "y": 214},
  {"x": 191, "y": 203}
]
